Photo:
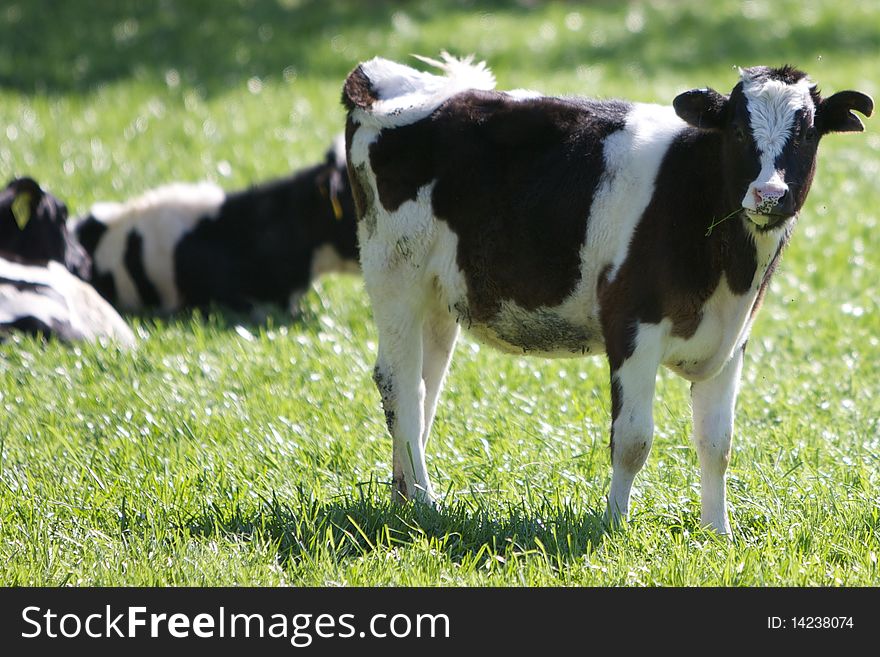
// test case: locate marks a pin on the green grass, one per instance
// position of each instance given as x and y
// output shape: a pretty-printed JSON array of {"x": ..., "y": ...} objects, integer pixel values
[{"x": 221, "y": 452}]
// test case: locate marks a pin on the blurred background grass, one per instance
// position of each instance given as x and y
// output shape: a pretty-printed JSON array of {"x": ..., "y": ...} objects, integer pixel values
[
  {"x": 242, "y": 89},
  {"x": 62, "y": 47}
]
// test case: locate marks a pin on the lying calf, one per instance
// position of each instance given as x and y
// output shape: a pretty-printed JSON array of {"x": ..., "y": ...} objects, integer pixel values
[
  {"x": 569, "y": 226},
  {"x": 39, "y": 293},
  {"x": 43, "y": 298},
  {"x": 191, "y": 245}
]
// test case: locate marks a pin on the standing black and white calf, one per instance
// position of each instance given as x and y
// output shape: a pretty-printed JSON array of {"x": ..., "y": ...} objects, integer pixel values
[
  {"x": 568, "y": 226},
  {"x": 190, "y": 245},
  {"x": 39, "y": 293}
]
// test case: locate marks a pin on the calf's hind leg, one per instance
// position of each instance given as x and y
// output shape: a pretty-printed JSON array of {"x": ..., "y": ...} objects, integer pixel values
[
  {"x": 398, "y": 376},
  {"x": 439, "y": 334}
]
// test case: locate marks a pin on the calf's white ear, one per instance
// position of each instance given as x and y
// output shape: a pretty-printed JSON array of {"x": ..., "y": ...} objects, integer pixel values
[
  {"x": 702, "y": 108},
  {"x": 834, "y": 113}
]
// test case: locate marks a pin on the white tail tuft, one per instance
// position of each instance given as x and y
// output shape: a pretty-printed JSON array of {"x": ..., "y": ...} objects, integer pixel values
[
  {"x": 473, "y": 76},
  {"x": 406, "y": 95}
]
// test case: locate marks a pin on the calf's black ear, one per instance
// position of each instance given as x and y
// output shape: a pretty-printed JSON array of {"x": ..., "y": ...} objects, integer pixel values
[
  {"x": 834, "y": 113},
  {"x": 702, "y": 108}
]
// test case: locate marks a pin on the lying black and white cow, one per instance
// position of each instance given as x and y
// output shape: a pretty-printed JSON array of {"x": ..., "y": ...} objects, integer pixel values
[
  {"x": 38, "y": 292},
  {"x": 566, "y": 226},
  {"x": 190, "y": 245},
  {"x": 43, "y": 298}
]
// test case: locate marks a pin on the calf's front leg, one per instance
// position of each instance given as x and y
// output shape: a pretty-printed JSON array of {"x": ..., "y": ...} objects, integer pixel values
[
  {"x": 713, "y": 403},
  {"x": 632, "y": 419}
]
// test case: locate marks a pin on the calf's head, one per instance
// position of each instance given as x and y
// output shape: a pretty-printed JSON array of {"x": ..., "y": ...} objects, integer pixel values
[
  {"x": 33, "y": 226},
  {"x": 770, "y": 126}
]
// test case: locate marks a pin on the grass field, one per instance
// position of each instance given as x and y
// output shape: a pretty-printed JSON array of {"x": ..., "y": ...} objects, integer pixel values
[{"x": 222, "y": 452}]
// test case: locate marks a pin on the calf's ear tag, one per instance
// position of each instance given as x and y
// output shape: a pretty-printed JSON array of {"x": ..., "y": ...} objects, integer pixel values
[
  {"x": 337, "y": 206},
  {"x": 21, "y": 209}
]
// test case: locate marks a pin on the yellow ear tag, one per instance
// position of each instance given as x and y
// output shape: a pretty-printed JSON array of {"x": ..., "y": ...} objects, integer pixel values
[
  {"x": 21, "y": 209},
  {"x": 337, "y": 206}
]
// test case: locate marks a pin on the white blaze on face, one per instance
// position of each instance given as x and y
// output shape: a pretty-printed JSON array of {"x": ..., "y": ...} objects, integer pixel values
[{"x": 772, "y": 107}]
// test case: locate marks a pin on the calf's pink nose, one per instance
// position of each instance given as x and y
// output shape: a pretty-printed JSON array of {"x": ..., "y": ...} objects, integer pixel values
[{"x": 770, "y": 192}]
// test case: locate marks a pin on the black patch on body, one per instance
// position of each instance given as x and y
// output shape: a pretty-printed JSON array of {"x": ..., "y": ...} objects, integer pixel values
[
  {"x": 260, "y": 246},
  {"x": 134, "y": 264},
  {"x": 89, "y": 232},
  {"x": 515, "y": 183},
  {"x": 105, "y": 285}
]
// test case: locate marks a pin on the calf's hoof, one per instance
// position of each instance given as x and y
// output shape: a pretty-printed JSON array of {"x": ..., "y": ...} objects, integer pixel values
[{"x": 401, "y": 493}]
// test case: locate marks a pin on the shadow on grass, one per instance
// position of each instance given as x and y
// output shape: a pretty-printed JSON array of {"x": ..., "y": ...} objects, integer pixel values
[
  {"x": 221, "y": 318},
  {"x": 318, "y": 310},
  {"x": 57, "y": 47},
  {"x": 69, "y": 46},
  {"x": 224, "y": 318},
  {"x": 463, "y": 530}
]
